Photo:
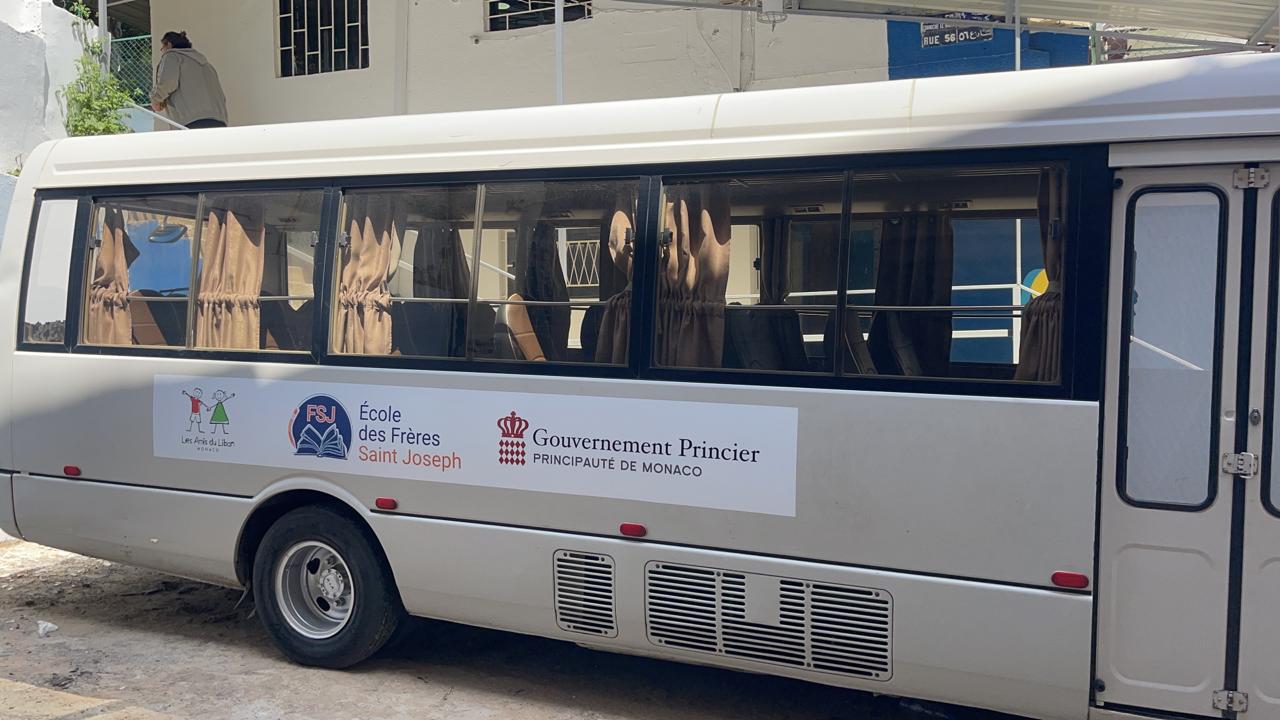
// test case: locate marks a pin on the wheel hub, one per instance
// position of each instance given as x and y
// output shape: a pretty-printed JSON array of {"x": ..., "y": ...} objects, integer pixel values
[
  {"x": 314, "y": 590},
  {"x": 332, "y": 585}
]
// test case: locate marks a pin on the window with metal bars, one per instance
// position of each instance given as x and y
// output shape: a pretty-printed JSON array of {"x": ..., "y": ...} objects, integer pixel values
[
  {"x": 582, "y": 263},
  {"x": 319, "y": 36},
  {"x": 516, "y": 14}
]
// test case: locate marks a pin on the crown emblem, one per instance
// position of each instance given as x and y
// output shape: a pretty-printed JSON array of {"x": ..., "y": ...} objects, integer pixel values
[{"x": 513, "y": 426}]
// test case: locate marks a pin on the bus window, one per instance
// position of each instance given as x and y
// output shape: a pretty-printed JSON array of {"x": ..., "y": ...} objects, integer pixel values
[
  {"x": 46, "y": 299},
  {"x": 747, "y": 272},
  {"x": 140, "y": 271},
  {"x": 864, "y": 244},
  {"x": 1171, "y": 347},
  {"x": 405, "y": 273},
  {"x": 986, "y": 263},
  {"x": 956, "y": 273},
  {"x": 254, "y": 271},
  {"x": 555, "y": 270}
]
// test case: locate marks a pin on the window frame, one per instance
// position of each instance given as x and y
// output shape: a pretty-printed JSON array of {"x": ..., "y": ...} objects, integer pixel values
[
  {"x": 1269, "y": 480},
  {"x": 201, "y": 220},
  {"x": 337, "y": 227},
  {"x": 71, "y": 311},
  {"x": 1077, "y": 164},
  {"x": 479, "y": 184},
  {"x": 363, "y": 50},
  {"x": 1126, "y": 330},
  {"x": 80, "y": 271},
  {"x": 94, "y": 202},
  {"x": 489, "y": 18},
  {"x": 1088, "y": 237}
]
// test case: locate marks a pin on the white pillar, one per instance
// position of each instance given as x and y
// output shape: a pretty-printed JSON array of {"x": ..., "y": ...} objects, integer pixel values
[
  {"x": 559, "y": 52},
  {"x": 104, "y": 35},
  {"x": 1017, "y": 35},
  {"x": 400, "y": 73}
]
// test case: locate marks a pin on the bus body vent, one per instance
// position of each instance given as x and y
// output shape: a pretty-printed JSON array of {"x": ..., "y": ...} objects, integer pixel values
[
  {"x": 584, "y": 593},
  {"x": 763, "y": 618}
]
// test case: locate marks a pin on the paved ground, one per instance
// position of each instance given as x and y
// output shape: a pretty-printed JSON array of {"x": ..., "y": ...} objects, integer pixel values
[{"x": 147, "y": 646}]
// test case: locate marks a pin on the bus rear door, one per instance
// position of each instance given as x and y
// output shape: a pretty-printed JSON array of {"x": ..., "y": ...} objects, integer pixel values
[{"x": 1183, "y": 583}]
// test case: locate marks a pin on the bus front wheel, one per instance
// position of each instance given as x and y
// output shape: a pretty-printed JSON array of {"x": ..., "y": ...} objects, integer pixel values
[{"x": 323, "y": 590}]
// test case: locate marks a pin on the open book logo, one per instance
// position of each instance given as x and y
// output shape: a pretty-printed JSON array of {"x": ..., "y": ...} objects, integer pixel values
[{"x": 321, "y": 428}]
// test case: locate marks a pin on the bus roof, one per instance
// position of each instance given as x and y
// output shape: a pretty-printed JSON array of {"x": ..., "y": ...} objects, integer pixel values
[{"x": 1216, "y": 96}]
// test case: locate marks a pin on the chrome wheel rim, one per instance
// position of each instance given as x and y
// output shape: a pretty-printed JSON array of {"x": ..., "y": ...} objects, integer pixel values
[{"x": 314, "y": 590}]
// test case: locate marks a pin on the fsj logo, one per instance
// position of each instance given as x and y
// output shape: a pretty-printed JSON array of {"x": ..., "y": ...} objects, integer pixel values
[
  {"x": 511, "y": 444},
  {"x": 320, "y": 428}
]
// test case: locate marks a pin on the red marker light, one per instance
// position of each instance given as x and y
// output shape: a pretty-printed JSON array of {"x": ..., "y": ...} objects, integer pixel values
[
  {"x": 631, "y": 529},
  {"x": 1073, "y": 580},
  {"x": 386, "y": 504},
  {"x": 71, "y": 470}
]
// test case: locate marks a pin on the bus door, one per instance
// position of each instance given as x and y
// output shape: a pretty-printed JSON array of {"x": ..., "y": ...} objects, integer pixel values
[
  {"x": 1260, "y": 563},
  {"x": 1189, "y": 558}
]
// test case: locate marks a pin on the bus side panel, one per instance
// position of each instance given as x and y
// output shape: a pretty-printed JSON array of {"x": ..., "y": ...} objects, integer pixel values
[
  {"x": 13, "y": 247},
  {"x": 919, "y": 483},
  {"x": 1012, "y": 649},
  {"x": 187, "y": 534}
]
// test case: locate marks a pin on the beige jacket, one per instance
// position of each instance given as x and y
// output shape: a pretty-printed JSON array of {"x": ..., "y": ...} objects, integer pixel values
[{"x": 187, "y": 85}]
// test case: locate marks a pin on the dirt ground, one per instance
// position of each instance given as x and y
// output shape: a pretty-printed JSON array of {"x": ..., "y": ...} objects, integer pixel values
[{"x": 183, "y": 649}]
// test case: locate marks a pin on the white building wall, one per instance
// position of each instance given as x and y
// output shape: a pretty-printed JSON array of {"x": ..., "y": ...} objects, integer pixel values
[
  {"x": 434, "y": 55},
  {"x": 38, "y": 50},
  {"x": 239, "y": 38}
]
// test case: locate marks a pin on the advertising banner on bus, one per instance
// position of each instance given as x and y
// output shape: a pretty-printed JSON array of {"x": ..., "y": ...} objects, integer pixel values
[{"x": 730, "y": 457}]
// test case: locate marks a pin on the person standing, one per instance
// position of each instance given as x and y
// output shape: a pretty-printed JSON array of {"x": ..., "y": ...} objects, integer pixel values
[{"x": 186, "y": 87}]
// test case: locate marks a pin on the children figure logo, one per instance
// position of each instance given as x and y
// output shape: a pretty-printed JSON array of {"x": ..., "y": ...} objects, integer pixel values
[
  {"x": 218, "y": 416},
  {"x": 320, "y": 428},
  {"x": 198, "y": 406}
]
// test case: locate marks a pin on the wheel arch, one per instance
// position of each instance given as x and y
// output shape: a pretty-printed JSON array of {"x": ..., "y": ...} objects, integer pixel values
[{"x": 278, "y": 500}]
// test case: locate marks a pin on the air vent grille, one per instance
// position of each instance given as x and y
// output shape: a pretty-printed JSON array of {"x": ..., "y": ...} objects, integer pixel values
[
  {"x": 584, "y": 591},
  {"x": 783, "y": 621}
]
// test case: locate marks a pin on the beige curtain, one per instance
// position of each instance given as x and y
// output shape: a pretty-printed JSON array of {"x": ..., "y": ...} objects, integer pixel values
[
  {"x": 232, "y": 254},
  {"x": 363, "y": 323},
  {"x": 616, "y": 255},
  {"x": 693, "y": 276},
  {"x": 108, "y": 320},
  {"x": 915, "y": 269},
  {"x": 1041, "y": 346}
]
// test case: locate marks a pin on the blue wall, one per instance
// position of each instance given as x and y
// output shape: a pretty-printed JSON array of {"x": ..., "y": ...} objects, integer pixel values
[{"x": 907, "y": 59}]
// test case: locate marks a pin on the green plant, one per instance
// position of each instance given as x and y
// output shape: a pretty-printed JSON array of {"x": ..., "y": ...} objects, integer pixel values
[{"x": 94, "y": 99}]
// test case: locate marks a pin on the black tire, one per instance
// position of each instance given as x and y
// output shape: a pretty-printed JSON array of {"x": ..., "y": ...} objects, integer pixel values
[{"x": 375, "y": 610}]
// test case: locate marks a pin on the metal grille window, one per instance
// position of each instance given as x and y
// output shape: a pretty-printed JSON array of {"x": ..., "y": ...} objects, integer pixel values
[
  {"x": 515, "y": 14},
  {"x": 318, "y": 36},
  {"x": 583, "y": 263}
]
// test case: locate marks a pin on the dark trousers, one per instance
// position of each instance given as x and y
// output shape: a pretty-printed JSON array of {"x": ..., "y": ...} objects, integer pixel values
[{"x": 205, "y": 123}]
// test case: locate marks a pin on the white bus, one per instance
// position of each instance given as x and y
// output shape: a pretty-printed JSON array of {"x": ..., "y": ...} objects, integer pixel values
[{"x": 959, "y": 389}]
